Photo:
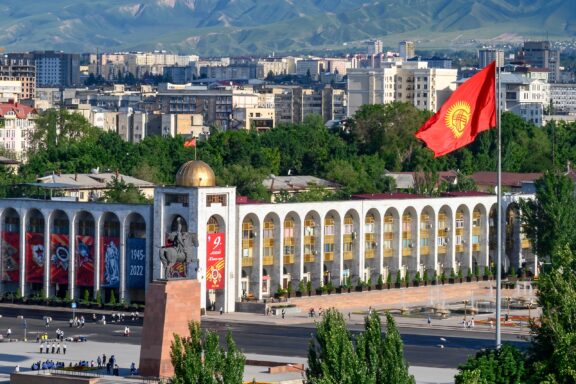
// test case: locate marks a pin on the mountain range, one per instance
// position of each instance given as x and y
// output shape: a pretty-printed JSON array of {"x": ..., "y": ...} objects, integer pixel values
[{"x": 249, "y": 27}]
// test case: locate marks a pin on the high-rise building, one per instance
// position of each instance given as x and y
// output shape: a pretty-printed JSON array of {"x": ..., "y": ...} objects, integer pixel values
[
  {"x": 374, "y": 47},
  {"x": 22, "y": 70},
  {"x": 488, "y": 55},
  {"x": 407, "y": 50},
  {"x": 411, "y": 82},
  {"x": 53, "y": 69},
  {"x": 539, "y": 54}
]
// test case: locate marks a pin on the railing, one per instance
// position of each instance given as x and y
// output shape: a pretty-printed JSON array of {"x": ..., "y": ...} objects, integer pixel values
[
  {"x": 329, "y": 256},
  {"x": 268, "y": 242},
  {"x": 247, "y": 243},
  {"x": 476, "y": 230},
  {"x": 289, "y": 259},
  {"x": 442, "y": 249},
  {"x": 388, "y": 235},
  {"x": 425, "y": 250},
  {"x": 459, "y": 248},
  {"x": 406, "y": 251},
  {"x": 247, "y": 261},
  {"x": 388, "y": 252},
  {"x": 475, "y": 247},
  {"x": 309, "y": 258},
  {"x": 369, "y": 254},
  {"x": 348, "y": 255}
]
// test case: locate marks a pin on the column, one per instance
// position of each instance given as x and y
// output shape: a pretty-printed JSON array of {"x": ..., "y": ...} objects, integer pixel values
[
  {"x": 467, "y": 239},
  {"x": 339, "y": 248},
  {"x": 1, "y": 247},
  {"x": 256, "y": 277},
  {"x": 417, "y": 244},
  {"x": 22, "y": 271},
  {"x": 122, "y": 264},
  {"x": 72, "y": 255},
  {"x": 97, "y": 253},
  {"x": 47, "y": 223},
  {"x": 359, "y": 246},
  {"x": 451, "y": 248}
]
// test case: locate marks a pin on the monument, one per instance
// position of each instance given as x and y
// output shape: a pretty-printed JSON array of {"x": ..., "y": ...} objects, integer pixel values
[{"x": 171, "y": 305}]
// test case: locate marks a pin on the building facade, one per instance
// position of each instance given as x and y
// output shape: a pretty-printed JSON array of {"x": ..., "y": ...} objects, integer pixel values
[
  {"x": 22, "y": 70},
  {"x": 246, "y": 248}
]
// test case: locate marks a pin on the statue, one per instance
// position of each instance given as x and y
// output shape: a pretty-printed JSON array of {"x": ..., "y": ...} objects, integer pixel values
[{"x": 179, "y": 251}]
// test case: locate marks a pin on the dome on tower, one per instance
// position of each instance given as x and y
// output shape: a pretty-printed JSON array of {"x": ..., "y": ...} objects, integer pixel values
[{"x": 195, "y": 173}]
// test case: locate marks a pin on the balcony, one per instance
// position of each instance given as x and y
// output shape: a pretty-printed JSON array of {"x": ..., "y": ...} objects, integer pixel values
[
  {"x": 309, "y": 258},
  {"x": 388, "y": 252},
  {"x": 289, "y": 259},
  {"x": 329, "y": 256},
  {"x": 247, "y": 261},
  {"x": 348, "y": 255},
  {"x": 406, "y": 251},
  {"x": 477, "y": 231},
  {"x": 460, "y": 248},
  {"x": 268, "y": 260},
  {"x": 268, "y": 242},
  {"x": 425, "y": 250},
  {"x": 369, "y": 254},
  {"x": 442, "y": 249},
  {"x": 388, "y": 235},
  {"x": 247, "y": 243},
  {"x": 475, "y": 247}
]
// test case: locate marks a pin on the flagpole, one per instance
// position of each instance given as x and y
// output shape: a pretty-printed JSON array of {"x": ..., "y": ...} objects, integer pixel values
[{"x": 499, "y": 214}]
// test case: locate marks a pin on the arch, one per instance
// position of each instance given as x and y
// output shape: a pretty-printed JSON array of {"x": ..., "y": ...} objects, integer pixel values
[
  {"x": 215, "y": 224},
  {"x": 34, "y": 249},
  {"x": 85, "y": 224},
  {"x": 59, "y": 222},
  {"x": 444, "y": 237},
  {"x": 250, "y": 230},
  {"x": 312, "y": 231},
  {"x": 409, "y": 229},
  {"x": 173, "y": 223},
  {"x": 462, "y": 234},
  {"x": 390, "y": 226},
  {"x": 427, "y": 228},
  {"x": 110, "y": 225},
  {"x": 372, "y": 230},
  {"x": 136, "y": 225},
  {"x": 34, "y": 221},
  {"x": 10, "y": 246},
  {"x": 290, "y": 236},
  {"x": 479, "y": 225},
  {"x": 84, "y": 253},
  {"x": 332, "y": 231}
]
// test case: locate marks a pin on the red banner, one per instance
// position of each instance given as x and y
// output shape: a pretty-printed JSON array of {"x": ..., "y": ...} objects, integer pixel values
[
  {"x": 11, "y": 257},
  {"x": 215, "y": 261},
  {"x": 110, "y": 261},
  {"x": 34, "y": 257},
  {"x": 59, "y": 259},
  {"x": 84, "y": 261}
]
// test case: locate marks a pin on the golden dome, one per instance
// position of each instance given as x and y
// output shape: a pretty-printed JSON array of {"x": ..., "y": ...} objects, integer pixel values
[{"x": 195, "y": 173}]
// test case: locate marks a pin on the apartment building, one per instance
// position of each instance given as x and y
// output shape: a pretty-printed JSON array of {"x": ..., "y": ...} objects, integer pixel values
[
  {"x": 563, "y": 98},
  {"x": 540, "y": 54},
  {"x": 214, "y": 104},
  {"x": 185, "y": 124},
  {"x": 411, "y": 82},
  {"x": 17, "y": 123},
  {"x": 53, "y": 69},
  {"x": 488, "y": 55},
  {"x": 407, "y": 49},
  {"x": 311, "y": 67},
  {"x": 22, "y": 70},
  {"x": 10, "y": 90},
  {"x": 524, "y": 97}
]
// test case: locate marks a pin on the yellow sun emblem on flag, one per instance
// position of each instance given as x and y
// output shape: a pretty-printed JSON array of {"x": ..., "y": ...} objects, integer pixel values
[{"x": 457, "y": 117}]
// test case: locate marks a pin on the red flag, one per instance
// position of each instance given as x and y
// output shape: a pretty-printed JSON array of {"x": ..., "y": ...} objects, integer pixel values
[
  {"x": 470, "y": 110},
  {"x": 190, "y": 143}
]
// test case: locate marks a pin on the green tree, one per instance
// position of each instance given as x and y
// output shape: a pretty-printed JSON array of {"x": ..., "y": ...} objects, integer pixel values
[
  {"x": 331, "y": 355},
  {"x": 548, "y": 220},
  {"x": 495, "y": 366},
  {"x": 118, "y": 191},
  {"x": 199, "y": 359},
  {"x": 394, "y": 365},
  {"x": 554, "y": 339}
]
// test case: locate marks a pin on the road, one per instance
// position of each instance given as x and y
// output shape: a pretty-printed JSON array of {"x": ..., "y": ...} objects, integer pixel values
[{"x": 421, "y": 344}]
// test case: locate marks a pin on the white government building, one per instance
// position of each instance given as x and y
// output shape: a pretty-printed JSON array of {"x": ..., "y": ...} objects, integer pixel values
[{"x": 254, "y": 247}]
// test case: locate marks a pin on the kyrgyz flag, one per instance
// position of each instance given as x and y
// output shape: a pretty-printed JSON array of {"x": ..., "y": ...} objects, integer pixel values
[
  {"x": 470, "y": 110},
  {"x": 190, "y": 143}
]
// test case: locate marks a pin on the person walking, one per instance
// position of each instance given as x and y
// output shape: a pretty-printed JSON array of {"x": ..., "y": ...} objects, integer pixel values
[
  {"x": 64, "y": 348},
  {"x": 53, "y": 347},
  {"x": 99, "y": 361},
  {"x": 429, "y": 321},
  {"x": 283, "y": 313},
  {"x": 41, "y": 347},
  {"x": 104, "y": 359},
  {"x": 8, "y": 333},
  {"x": 221, "y": 310},
  {"x": 58, "y": 348}
]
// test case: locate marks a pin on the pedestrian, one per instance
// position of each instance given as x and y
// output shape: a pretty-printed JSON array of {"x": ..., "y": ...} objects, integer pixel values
[
  {"x": 472, "y": 322},
  {"x": 108, "y": 368},
  {"x": 62, "y": 335},
  {"x": 71, "y": 322},
  {"x": 283, "y": 312},
  {"x": 429, "y": 321},
  {"x": 99, "y": 361},
  {"x": 349, "y": 316},
  {"x": 53, "y": 347},
  {"x": 17, "y": 369},
  {"x": 41, "y": 347},
  {"x": 8, "y": 333},
  {"x": 82, "y": 321},
  {"x": 94, "y": 317},
  {"x": 491, "y": 324},
  {"x": 221, "y": 310},
  {"x": 64, "y": 348},
  {"x": 133, "y": 369},
  {"x": 58, "y": 348},
  {"x": 104, "y": 359}
]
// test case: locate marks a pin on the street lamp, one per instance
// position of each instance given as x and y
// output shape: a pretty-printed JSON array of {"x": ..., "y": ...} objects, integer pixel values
[{"x": 465, "y": 309}]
